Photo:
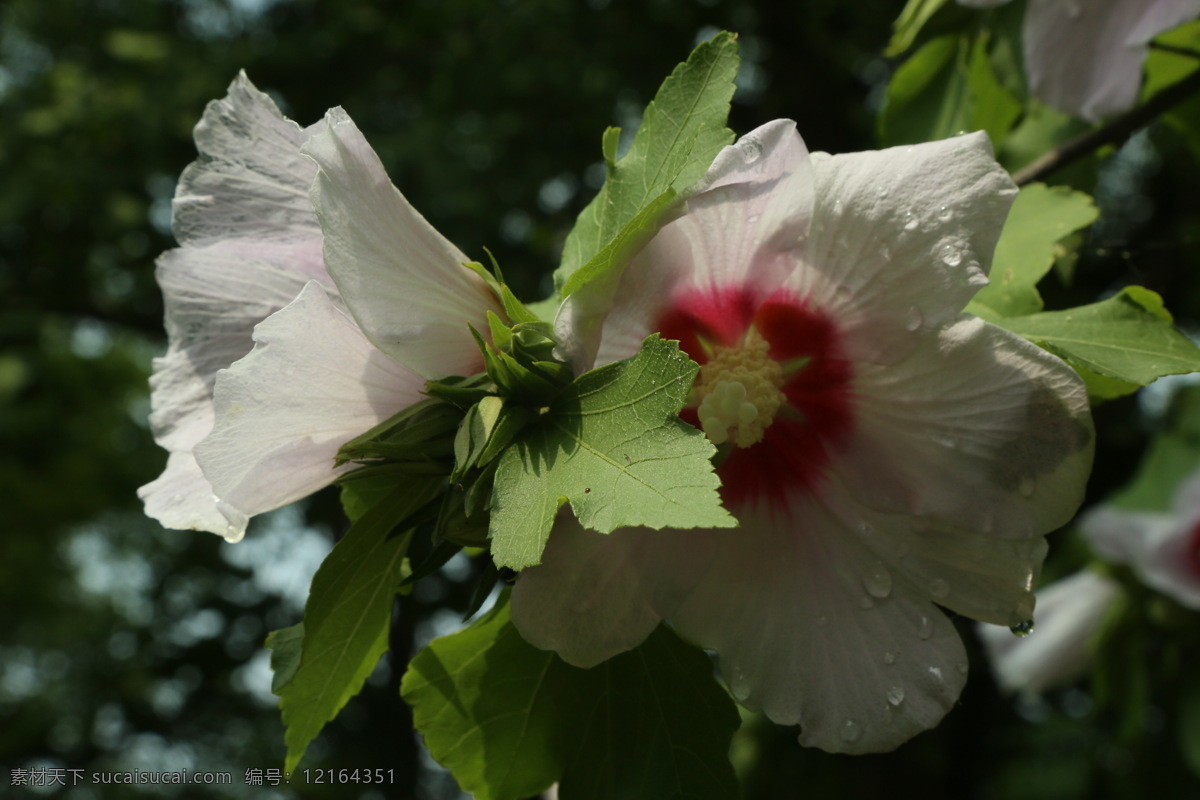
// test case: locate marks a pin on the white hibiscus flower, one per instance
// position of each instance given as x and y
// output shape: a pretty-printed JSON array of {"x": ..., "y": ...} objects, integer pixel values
[
  {"x": 360, "y": 301},
  {"x": 884, "y": 453}
]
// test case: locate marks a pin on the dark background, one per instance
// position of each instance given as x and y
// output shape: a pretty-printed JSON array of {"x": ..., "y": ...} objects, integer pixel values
[{"x": 123, "y": 646}]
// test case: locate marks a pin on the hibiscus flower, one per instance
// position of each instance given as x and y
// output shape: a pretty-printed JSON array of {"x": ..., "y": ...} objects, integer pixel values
[
  {"x": 356, "y": 298},
  {"x": 1085, "y": 57},
  {"x": 884, "y": 453}
]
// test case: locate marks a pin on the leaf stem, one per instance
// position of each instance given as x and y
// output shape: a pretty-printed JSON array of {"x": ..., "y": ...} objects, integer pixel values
[{"x": 1114, "y": 132}]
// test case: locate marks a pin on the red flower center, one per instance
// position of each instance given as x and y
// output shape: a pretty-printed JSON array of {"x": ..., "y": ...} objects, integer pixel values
[{"x": 775, "y": 448}]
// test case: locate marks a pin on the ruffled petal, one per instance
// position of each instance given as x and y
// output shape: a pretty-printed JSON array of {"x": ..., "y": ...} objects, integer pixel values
[
  {"x": 1118, "y": 535},
  {"x": 790, "y": 607},
  {"x": 977, "y": 428},
  {"x": 182, "y": 498},
  {"x": 1057, "y": 651},
  {"x": 311, "y": 383},
  {"x": 901, "y": 239},
  {"x": 741, "y": 229},
  {"x": 250, "y": 242},
  {"x": 1085, "y": 58},
  {"x": 403, "y": 281}
]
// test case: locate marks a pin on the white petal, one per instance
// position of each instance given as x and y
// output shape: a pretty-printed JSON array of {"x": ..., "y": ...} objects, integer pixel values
[
  {"x": 901, "y": 239},
  {"x": 1119, "y": 535},
  {"x": 586, "y": 600},
  {"x": 250, "y": 182},
  {"x": 1057, "y": 651},
  {"x": 740, "y": 229},
  {"x": 977, "y": 428},
  {"x": 182, "y": 498},
  {"x": 311, "y": 383},
  {"x": 801, "y": 636},
  {"x": 1169, "y": 563},
  {"x": 1086, "y": 58},
  {"x": 251, "y": 240},
  {"x": 402, "y": 280}
]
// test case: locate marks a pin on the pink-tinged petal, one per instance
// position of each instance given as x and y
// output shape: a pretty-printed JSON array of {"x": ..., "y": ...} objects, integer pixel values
[
  {"x": 250, "y": 241},
  {"x": 901, "y": 239},
  {"x": 1118, "y": 535},
  {"x": 311, "y": 383},
  {"x": 250, "y": 183},
  {"x": 976, "y": 428},
  {"x": 403, "y": 281},
  {"x": 1057, "y": 652},
  {"x": 808, "y": 633},
  {"x": 182, "y": 498},
  {"x": 1085, "y": 58},
  {"x": 741, "y": 228},
  {"x": 587, "y": 600}
]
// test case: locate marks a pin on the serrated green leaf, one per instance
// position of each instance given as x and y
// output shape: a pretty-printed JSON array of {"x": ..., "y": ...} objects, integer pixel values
[
  {"x": 508, "y": 719},
  {"x": 613, "y": 446},
  {"x": 1040, "y": 218},
  {"x": 681, "y": 133},
  {"x": 1128, "y": 337},
  {"x": 285, "y": 645},
  {"x": 347, "y": 616}
]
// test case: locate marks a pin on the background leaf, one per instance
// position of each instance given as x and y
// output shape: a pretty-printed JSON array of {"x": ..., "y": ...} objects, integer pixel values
[{"x": 613, "y": 446}]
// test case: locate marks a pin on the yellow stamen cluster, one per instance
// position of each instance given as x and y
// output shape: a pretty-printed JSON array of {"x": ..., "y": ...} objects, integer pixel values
[{"x": 738, "y": 391}]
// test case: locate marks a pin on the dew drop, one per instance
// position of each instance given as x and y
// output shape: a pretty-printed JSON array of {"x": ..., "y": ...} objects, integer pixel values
[
  {"x": 925, "y": 630},
  {"x": 751, "y": 149},
  {"x": 837, "y": 208},
  {"x": 1026, "y": 486},
  {"x": 878, "y": 581},
  {"x": 945, "y": 440},
  {"x": 851, "y": 731},
  {"x": 936, "y": 672},
  {"x": 822, "y": 621},
  {"x": 842, "y": 292},
  {"x": 883, "y": 192},
  {"x": 945, "y": 213},
  {"x": 895, "y": 695},
  {"x": 889, "y": 658},
  {"x": 753, "y": 218},
  {"x": 1022, "y": 629},
  {"x": 911, "y": 221},
  {"x": 739, "y": 686},
  {"x": 951, "y": 256},
  {"x": 939, "y": 588},
  {"x": 913, "y": 319}
]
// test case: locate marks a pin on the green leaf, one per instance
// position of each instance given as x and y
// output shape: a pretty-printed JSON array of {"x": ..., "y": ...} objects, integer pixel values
[
  {"x": 1164, "y": 68},
  {"x": 946, "y": 88},
  {"x": 508, "y": 719},
  {"x": 681, "y": 133},
  {"x": 910, "y": 23},
  {"x": 613, "y": 446},
  {"x": 347, "y": 616},
  {"x": 285, "y": 645},
  {"x": 1040, "y": 218},
  {"x": 1129, "y": 337}
]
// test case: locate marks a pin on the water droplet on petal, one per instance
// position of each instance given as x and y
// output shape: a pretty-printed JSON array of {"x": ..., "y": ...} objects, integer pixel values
[
  {"x": 883, "y": 192},
  {"x": 939, "y": 588},
  {"x": 936, "y": 672},
  {"x": 895, "y": 695},
  {"x": 851, "y": 731},
  {"x": 1026, "y": 486},
  {"x": 842, "y": 293},
  {"x": 925, "y": 629},
  {"x": 913, "y": 319},
  {"x": 837, "y": 208},
  {"x": 889, "y": 658},
  {"x": 950, "y": 255},
  {"x": 1022, "y": 629},
  {"x": 822, "y": 621},
  {"x": 753, "y": 218},
  {"x": 911, "y": 221},
  {"x": 739, "y": 686},
  {"x": 878, "y": 581},
  {"x": 751, "y": 149},
  {"x": 945, "y": 213}
]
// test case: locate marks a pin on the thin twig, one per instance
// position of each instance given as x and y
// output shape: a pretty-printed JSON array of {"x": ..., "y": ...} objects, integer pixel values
[{"x": 1114, "y": 132}]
